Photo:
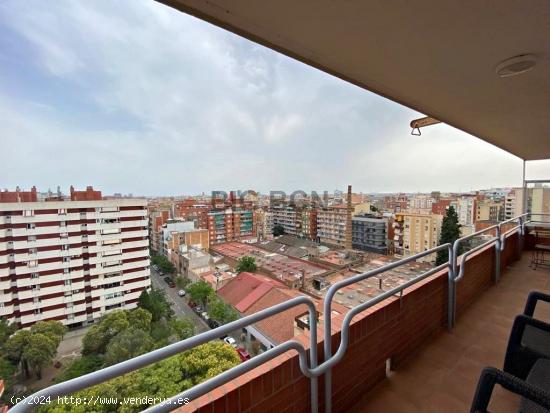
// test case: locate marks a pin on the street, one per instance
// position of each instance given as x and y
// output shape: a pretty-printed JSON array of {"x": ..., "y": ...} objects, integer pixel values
[{"x": 179, "y": 304}]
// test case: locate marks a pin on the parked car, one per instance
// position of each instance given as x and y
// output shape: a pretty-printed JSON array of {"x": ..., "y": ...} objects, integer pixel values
[
  {"x": 169, "y": 281},
  {"x": 243, "y": 354},
  {"x": 231, "y": 341},
  {"x": 205, "y": 316},
  {"x": 181, "y": 293},
  {"x": 197, "y": 309},
  {"x": 213, "y": 323}
]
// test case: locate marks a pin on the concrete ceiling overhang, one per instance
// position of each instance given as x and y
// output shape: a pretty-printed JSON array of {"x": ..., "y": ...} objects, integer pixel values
[{"x": 436, "y": 57}]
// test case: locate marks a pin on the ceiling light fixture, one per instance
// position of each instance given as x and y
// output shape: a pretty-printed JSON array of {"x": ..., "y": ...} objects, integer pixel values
[{"x": 516, "y": 65}]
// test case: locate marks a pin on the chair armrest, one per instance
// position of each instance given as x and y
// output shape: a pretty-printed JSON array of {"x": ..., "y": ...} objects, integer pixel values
[
  {"x": 520, "y": 359},
  {"x": 532, "y": 299},
  {"x": 491, "y": 376}
]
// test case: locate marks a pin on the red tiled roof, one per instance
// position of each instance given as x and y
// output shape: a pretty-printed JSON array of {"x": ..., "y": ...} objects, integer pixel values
[
  {"x": 247, "y": 288},
  {"x": 279, "y": 327}
]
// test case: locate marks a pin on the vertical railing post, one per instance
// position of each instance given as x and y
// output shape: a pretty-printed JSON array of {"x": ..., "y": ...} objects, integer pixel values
[
  {"x": 497, "y": 255},
  {"x": 451, "y": 304},
  {"x": 314, "y": 385},
  {"x": 327, "y": 349},
  {"x": 519, "y": 246}
]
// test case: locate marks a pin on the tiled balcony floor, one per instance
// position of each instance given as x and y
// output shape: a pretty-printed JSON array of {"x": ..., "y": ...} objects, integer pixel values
[{"x": 442, "y": 377}]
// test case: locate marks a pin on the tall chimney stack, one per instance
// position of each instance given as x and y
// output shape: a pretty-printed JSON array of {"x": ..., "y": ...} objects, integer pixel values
[{"x": 348, "y": 243}]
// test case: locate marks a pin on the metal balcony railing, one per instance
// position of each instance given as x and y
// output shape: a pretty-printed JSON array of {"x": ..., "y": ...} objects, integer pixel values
[{"x": 311, "y": 370}]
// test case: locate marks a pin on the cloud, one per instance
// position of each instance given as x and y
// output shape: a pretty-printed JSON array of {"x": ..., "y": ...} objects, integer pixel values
[{"x": 133, "y": 96}]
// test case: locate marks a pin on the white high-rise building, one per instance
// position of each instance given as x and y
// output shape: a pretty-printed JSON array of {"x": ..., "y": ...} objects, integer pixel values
[{"x": 71, "y": 261}]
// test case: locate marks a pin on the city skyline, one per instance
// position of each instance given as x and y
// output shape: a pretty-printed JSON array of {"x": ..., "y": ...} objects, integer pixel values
[{"x": 84, "y": 94}]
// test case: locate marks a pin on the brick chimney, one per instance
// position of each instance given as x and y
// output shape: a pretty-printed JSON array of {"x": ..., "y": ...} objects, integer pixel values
[{"x": 348, "y": 243}]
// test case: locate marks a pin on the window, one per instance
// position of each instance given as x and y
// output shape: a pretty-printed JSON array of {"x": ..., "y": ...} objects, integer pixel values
[
  {"x": 35, "y": 287},
  {"x": 31, "y": 226},
  {"x": 34, "y": 275},
  {"x": 28, "y": 213},
  {"x": 31, "y": 238},
  {"x": 38, "y": 311},
  {"x": 32, "y": 263},
  {"x": 36, "y": 300},
  {"x": 64, "y": 248},
  {"x": 66, "y": 259},
  {"x": 66, "y": 270},
  {"x": 63, "y": 223},
  {"x": 63, "y": 235},
  {"x": 69, "y": 305},
  {"x": 70, "y": 316},
  {"x": 62, "y": 211},
  {"x": 67, "y": 282},
  {"x": 32, "y": 251}
]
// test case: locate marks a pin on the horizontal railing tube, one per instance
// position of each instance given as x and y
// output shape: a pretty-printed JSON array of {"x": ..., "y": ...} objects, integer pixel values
[{"x": 100, "y": 376}]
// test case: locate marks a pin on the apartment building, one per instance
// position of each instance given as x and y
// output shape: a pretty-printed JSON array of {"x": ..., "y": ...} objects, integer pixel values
[
  {"x": 370, "y": 233},
  {"x": 71, "y": 260},
  {"x": 396, "y": 203},
  {"x": 417, "y": 233},
  {"x": 441, "y": 206},
  {"x": 157, "y": 218},
  {"x": 331, "y": 225},
  {"x": 231, "y": 224},
  {"x": 172, "y": 227},
  {"x": 192, "y": 210},
  {"x": 308, "y": 223},
  {"x": 287, "y": 217},
  {"x": 465, "y": 210},
  {"x": 513, "y": 203},
  {"x": 489, "y": 209},
  {"x": 264, "y": 224},
  {"x": 420, "y": 201},
  {"x": 539, "y": 202}
]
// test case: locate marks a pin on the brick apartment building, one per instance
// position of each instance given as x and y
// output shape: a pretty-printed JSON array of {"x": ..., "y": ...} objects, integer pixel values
[{"x": 70, "y": 260}]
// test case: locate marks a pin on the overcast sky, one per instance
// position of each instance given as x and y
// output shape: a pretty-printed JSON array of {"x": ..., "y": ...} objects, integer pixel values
[{"x": 132, "y": 96}]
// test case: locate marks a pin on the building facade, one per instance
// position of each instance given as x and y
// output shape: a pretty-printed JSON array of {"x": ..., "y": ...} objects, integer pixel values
[
  {"x": 331, "y": 225},
  {"x": 370, "y": 233},
  {"x": 231, "y": 224},
  {"x": 71, "y": 261},
  {"x": 419, "y": 232}
]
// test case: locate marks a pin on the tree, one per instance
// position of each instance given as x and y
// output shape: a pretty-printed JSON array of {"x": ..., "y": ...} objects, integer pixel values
[
  {"x": 163, "y": 263},
  {"x": 52, "y": 328},
  {"x": 81, "y": 366},
  {"x": 200, "y": 291},
  {"x": 99, "y": 335},
  {"x": 182, "y": 328},
  {"x": 156, "y": 303},
  {"x": 35, "y": 348},
  {"x": 450, "y": 232},
  {"x": 128, "y": 344},
  {"x": 182, "y": 282},
  {"x": 220, "y": 311},
  {"x": 247, "y": 264},
  {"x": 278, "y": 229},
  {"x": 161, "y": 380},
  {"x": 6, "y": 330},
  {"x": 40, "y": 352}
]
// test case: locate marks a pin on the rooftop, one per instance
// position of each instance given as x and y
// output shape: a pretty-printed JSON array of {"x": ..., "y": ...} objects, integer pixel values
[{"x": 280, "y": 266}]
